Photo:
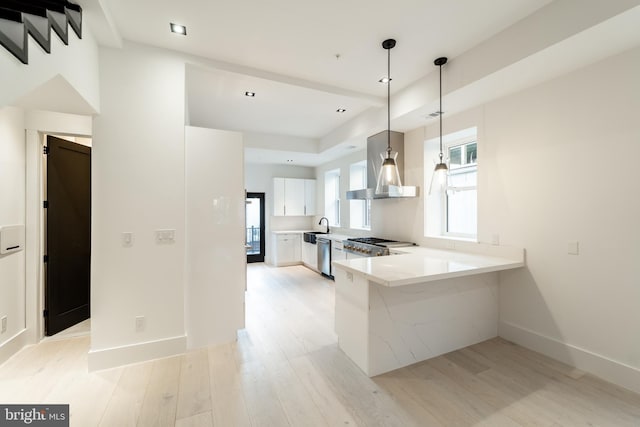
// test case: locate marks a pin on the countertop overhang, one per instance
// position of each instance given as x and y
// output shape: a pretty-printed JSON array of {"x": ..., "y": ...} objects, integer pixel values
[{"x": 413, "y": 265}]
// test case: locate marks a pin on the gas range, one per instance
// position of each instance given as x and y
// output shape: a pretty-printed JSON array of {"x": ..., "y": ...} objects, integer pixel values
[{"x": 371, "y": 246}]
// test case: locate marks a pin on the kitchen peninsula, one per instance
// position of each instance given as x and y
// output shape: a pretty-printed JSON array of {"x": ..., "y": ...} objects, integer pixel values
[{"x": 418, "y": 303}]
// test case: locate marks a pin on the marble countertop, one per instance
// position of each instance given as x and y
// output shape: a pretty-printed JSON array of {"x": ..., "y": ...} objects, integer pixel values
[{"x": 418, "y": 264}]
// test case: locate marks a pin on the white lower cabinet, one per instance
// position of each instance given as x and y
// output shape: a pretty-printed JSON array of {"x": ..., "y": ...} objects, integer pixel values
[
  {"x": 337, "y": 251},
  {"x": 286, "y": 249},
  {"x": 310, "y": 255}
]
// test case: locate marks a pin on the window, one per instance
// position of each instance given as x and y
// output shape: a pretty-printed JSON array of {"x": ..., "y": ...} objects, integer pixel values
[
  {"x": 451, "y": 209},
  {"x": 332, "y": 196},
  {"x": 460, "y": 200},
  {"x": 359, "y": 210}
]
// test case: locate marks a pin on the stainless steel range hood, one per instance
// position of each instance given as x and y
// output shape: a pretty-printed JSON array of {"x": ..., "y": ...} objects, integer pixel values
[{"x": 377, "y": 144}]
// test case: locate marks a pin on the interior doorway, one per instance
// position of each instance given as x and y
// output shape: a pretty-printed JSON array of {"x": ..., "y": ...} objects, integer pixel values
[
  {"x": 255, "y": 227},
  {"x": 67, "y": 235}
]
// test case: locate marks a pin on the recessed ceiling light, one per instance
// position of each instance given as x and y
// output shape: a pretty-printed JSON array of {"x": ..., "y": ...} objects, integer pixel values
[
  {"x": 178, "y": 29},
  {"x": 434, "y": 114},
  {"x": 340, "y": 110},
  {"x": 250, "y": 94},
  {"x": 385, "y": 80}
]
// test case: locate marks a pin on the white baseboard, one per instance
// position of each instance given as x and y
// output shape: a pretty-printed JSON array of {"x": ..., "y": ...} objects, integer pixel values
[
  {"x": 610, "y": 370},
  {"x": 14, "y": 345},
  {"x": 125, "y": 355}
]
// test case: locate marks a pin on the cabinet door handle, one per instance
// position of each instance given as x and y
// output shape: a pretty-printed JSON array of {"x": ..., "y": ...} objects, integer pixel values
[
  {"x": 285, "y": 210},
  {"x": 305, "y": 210}
]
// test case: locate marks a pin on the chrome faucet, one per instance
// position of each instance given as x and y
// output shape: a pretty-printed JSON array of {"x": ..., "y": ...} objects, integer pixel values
[{"x": 320, "y": 223}]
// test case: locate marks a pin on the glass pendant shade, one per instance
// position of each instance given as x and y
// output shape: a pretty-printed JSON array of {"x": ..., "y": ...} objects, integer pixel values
[
  {"x": 389, "y": 174},
  {"x": 439, "y": 177}
]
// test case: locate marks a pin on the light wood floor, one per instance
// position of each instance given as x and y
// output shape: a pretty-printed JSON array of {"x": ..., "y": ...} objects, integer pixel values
[{"x": 286, "y": 370}]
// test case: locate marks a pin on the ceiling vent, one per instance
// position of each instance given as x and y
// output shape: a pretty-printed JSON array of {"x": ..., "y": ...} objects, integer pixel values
[{"x": 19, "y": 19}]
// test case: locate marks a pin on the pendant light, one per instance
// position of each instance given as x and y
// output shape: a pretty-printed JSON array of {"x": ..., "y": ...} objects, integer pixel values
[
  {"x": 389, "y": 175},
  {"x": 440, "y": 172}
]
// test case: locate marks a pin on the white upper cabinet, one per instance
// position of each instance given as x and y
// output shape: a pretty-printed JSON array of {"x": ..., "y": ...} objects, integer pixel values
[
  {"x": 294, "y": 197},
  {"x": 309, "y": 196}
]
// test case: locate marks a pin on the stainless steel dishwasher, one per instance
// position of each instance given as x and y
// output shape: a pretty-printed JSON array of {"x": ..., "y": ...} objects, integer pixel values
[{"x": 324, "y": 256}]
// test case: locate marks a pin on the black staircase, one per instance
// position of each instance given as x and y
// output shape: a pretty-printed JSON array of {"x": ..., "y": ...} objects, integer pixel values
[{"x": 21, "y": 18}]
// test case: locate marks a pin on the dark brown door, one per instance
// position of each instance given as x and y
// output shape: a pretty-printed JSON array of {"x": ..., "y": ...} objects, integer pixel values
[{"x": 68, "y": 234}]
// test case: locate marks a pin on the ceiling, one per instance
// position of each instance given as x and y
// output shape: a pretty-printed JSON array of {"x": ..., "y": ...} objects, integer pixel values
[
  {"x": 301, "y": 38},
  {"x": 217, "y": 100},
  {"x": 304, "y": 60}
]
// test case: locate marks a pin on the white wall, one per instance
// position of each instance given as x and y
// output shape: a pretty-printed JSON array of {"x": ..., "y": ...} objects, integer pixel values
[
  {"x": 563, "y": 167},
  {"x": 138, "y": 186},
  {"x": 77, "y": 63},
  {"x": 259, "y": 179},
  {"x": 12, "y": 212},
  {"x": 215, "y": 253},
  {"x": 557, "y": 163}
]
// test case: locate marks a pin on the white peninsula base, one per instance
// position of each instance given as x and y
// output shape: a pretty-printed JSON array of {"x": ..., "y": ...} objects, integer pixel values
[
  {"x": 397, "y": 310},
  {"x": 383, "y": 328}
]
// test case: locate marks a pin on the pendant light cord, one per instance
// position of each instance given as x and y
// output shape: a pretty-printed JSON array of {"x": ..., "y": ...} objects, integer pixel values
[
  {"x": 389, "y": 103},
  {"x": 440, "y": 111}
]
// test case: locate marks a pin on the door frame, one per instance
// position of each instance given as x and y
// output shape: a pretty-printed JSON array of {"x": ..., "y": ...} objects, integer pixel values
[
  {"x": 263, "y": 226},
  {"x": 80, "y": 126}
]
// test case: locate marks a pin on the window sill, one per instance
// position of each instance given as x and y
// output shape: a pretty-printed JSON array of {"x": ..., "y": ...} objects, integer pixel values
[
  {"x": 360, "y": 228},
  {"x": 454, "y": 238}
]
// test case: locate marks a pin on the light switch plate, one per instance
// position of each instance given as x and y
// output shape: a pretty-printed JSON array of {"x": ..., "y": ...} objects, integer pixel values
[
  {"x": 573, "y": 248},
  {"x": 4, "y": 324}
]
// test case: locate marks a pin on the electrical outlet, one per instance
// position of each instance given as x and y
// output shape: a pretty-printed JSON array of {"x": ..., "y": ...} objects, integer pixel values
[
  {"x": 4, "y": 324},
  {"x": 127, "y": 239},
  {"x": 573, "y": 248},
  {"x": 140, "y": 323}
]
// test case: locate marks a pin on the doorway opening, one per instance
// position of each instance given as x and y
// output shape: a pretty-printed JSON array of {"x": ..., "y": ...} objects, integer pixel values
[
  {"x": 255, "y": 227},
  {"x": 67, "y": 233}
]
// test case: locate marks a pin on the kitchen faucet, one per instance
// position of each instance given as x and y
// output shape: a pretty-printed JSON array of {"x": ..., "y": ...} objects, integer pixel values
[{"x": 320, "y": 223}]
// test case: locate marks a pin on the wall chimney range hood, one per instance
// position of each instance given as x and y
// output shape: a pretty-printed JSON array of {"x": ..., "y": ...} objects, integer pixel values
[{"x": 376, "y": 145}]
